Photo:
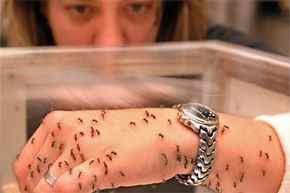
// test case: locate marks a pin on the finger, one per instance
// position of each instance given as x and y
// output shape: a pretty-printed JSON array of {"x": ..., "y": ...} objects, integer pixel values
[
  {"x": 65, "y": 163},
  {"x": 89, "y": 176},
  {"x": 48, "y": 154},
  {"x": 32, "y": 147},
  {"x": 25, "y": 159}
]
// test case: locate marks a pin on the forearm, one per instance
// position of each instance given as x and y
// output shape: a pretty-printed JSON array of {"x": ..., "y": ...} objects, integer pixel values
[{"x": 249, "y": 157}]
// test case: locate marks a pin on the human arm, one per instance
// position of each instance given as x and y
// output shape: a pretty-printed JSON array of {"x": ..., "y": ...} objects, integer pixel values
[{"x": 147, "y": 151}]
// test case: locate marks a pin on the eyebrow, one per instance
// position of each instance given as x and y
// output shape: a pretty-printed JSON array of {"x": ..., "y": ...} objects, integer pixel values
[{"x": 78, "y": 1}]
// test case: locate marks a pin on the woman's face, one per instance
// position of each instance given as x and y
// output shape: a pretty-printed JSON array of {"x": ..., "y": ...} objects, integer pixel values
[{"x": 103, "y": 22}]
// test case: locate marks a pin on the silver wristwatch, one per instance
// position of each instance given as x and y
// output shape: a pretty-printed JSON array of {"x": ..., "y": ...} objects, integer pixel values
[{"x": 205, "y": 122}]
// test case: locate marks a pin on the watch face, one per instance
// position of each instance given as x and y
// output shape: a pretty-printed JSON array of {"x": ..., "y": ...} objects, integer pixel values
[{"x": 200, "y": 113}]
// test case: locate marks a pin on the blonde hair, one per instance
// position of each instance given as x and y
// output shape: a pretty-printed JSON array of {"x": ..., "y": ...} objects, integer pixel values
[{"x": 25, "y": 24}]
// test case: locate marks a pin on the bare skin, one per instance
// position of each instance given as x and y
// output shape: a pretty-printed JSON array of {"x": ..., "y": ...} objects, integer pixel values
[
  {"x": 90, "y": 150},
  {"x": 103, "y": 22}
]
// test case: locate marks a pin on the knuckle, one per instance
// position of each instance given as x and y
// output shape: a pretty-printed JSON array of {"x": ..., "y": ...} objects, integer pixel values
[{"x": 53, "y": 116}]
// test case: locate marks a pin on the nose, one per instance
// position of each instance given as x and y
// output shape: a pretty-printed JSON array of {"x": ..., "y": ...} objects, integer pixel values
[{"x": 110, "y": 33}]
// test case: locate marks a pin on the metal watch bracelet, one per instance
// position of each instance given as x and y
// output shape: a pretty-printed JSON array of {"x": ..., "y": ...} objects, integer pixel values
[{"x": 206, "y": 153}]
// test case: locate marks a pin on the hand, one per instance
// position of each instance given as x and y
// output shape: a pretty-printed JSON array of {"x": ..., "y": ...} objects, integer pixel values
[{"x": 90, "y": 150}]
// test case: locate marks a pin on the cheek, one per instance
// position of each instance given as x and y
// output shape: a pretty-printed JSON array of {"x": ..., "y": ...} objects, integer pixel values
[
  {"x": 144, "y": 30},
  {"x": 67, "y": 33},
  {"x": 145, "y": 33}
]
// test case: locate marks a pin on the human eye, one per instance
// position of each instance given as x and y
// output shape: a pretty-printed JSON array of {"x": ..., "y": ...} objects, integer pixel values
[
  {"x": 80, "y": 10},
  {"x": 138, "y": 7}
]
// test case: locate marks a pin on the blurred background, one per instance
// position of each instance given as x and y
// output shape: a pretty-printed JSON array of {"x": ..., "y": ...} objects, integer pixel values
[{"x": 264, "y": 20}]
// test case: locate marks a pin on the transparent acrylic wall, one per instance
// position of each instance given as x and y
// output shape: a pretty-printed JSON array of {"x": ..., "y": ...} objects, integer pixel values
[{"x": 227, "y": 77}]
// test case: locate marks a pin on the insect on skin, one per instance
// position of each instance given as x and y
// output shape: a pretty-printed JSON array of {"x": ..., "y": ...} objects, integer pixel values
[
  {"x": 80, "y": 120},
  {"x": 80, "y": 173},
  {"x": 93, "y": 186},
  {"x": 218, "y": 184},
  {"x": 98, "y": 159},
  {"x": 122, "y": 173},
  {"x": 264, "y": 172},
  {"x": 58, "y": 126},
  {"x": 169, "y": 121},
  {"x": 235, "y": 184},
  {"x": 146, "y": 121},
  {"x": 227, "y": 167},
  {"x": 75, "y": 137},
  {"x": 60, "y": 147},
  {"x": 95, "y": 178},
  {"x": 267, "y": 155},
  {"x": 114, "y": 153},
  {"x": 165, "y": 158},
  {"x": 70, "y": 171},
  {"x": 38, "y": 169},
  {"x": 132, "y": 123},
  {"x": 177, "y": 148},
  {"x": 242, "y": 177},
  {"x": 59, "y": 164},
  {"x": 49, "y": 165},
  {"x": 52, "y": 144},
  {"x": 95, "y": 121},
  {"x": 186, "y": 162},
  {"x": 108, "y": 156},
  {"x": 26, "y": 188},
  {"x": 78, "y": 147},
  {"x": 242, "y": 159},
  {"x": 192, "y": 161},
  {"x": 39, "y": 159},
  {"x": 72, "y": 154},
  {"x": 91, "y": 162},
  {"x": 106, "y": 168},
  {"x": 82, "y": 133},
  {"x": 52, "y": 134},
  {"x": 160, "y": 135},
  {"x": 32, "y": 174},
  {"x": 17, "y": 156},
  {"x": 153, "y": 116},
  {"x": 29, "y": 166},
  {"x": 32, "y": 140},
  {"x": 66, "y": 163},
  {"x": 82, "y": 157},
  {"x": 98, "y": 132},
  {"x": 92, "y": 131},
  {"x": 261, "y": 153},
  {"x": 217, "y": 176},
  {"x": 178, "y": 158},
  {"x": 147, "y": 114},
  {"x": 270, "y": 138},
  {"x": 103, "y": 114},
  {"x": 80, "y": 186}
]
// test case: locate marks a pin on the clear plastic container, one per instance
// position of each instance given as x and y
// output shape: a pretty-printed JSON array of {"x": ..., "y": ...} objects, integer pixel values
[{"x": 227, "y": 77}]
